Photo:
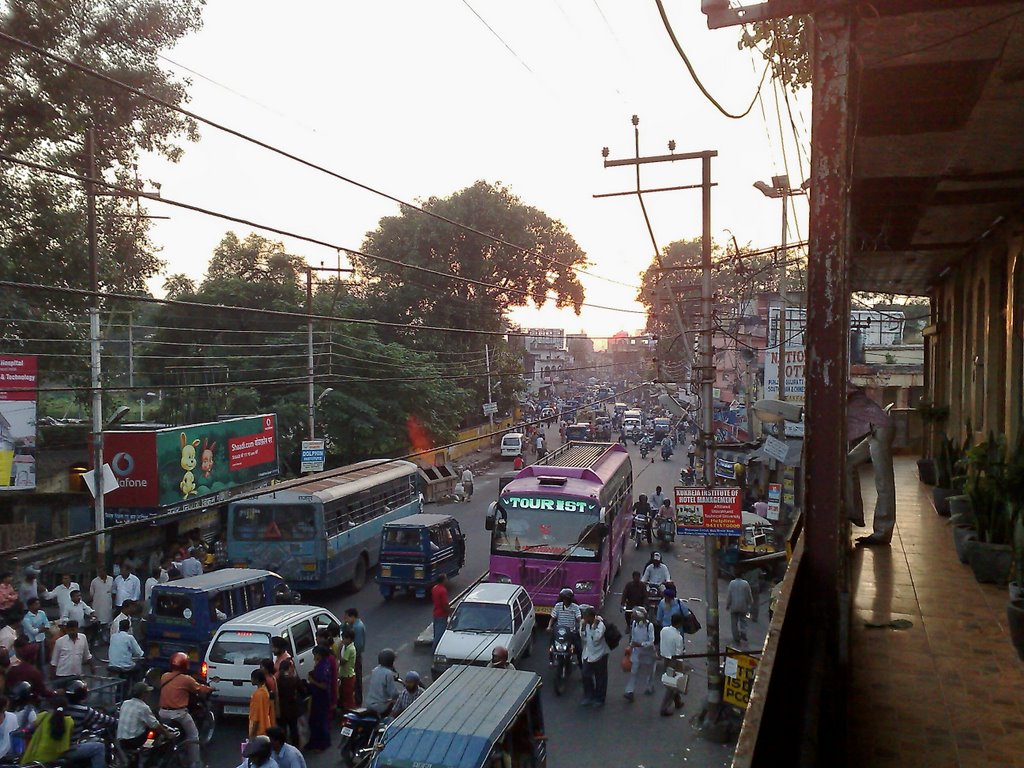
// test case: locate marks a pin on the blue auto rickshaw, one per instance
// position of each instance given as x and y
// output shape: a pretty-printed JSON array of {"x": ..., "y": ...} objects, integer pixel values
[
  {"x": 471, "y": 717},
  {"x": 415, "y": 550}
]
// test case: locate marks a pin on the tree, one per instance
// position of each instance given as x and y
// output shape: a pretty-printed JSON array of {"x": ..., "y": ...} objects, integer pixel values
[
  {"x": 45, "y": 111},
  {"x": 785, "y": 45},
  {"x": 179, "y": 285}
]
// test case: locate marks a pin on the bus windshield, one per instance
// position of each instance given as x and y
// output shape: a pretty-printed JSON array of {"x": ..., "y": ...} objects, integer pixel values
[
  {"x": 548, "y": 526},
  {"x": 280, "y": 522}
]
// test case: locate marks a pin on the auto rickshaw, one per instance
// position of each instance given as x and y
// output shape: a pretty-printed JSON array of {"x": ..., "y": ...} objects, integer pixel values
[
  {"x": 415, "y": 550},
  {"x": 471, "y": 717}
]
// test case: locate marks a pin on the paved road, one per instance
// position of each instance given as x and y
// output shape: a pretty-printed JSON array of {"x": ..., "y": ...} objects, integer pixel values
[{"x": 620, "y": 734}]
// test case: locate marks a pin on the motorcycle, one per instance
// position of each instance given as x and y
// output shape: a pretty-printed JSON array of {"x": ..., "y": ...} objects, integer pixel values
[
  {"x": 645, "y": 448},
  {"x": 640, "y": 531},
  {"x": 687, "y": 476},
  {"x": 666, "y": 530},
  {"x": 653, "y": 598},
  {"x": 562, "y": 656},
  {"x": 199, "y": 708},
  {"x": 160, "y": 749},
  {"x": 666, "y": 453},
  {"x": 359, "y": 731}
]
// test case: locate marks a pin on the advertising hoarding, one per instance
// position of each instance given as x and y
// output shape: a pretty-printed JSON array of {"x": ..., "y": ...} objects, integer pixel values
[
  {"x": 18, "y": 382},
  {"x": 740, "y": 670},
  {"x": 313, "y": 455},
  {"x": 178, "y": 466},
  {"x": 708, "y": 511}
]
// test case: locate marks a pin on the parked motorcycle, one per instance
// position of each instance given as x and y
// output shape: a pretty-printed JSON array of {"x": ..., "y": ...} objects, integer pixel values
[
  {"x": 562, "y": 656},
  {"x": 641, "y": 532},
  {"x": 359, "y": 731},
  {"x": 666, "y": 530}
]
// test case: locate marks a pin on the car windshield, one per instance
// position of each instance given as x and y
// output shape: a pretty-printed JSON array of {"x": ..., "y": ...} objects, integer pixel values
[
  {"x": 277, "y": 522},
  {"x": 482, "y": 617},
  {"x": 241, "y": 648},
  {"x": 564, "y": 527}
]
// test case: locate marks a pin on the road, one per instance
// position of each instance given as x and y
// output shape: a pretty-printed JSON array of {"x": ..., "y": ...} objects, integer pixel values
[{"x": 621, "y": 733}]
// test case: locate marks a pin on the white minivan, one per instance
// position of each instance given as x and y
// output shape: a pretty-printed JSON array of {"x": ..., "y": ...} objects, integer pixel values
[
  {"x": 241, "y": 644},
  {"x": 490, "y": 615},
  {"x": 512, "y": 445}
]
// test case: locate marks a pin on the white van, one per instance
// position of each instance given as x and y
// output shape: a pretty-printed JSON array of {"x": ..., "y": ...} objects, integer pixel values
[
  {"x": 242, "y": 643},
  {"x": 512, "y": 445},
  {"x": 490, "y": 615}
]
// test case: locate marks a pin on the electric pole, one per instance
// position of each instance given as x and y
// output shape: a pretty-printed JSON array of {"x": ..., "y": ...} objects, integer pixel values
[
  {"x": 706, "y": 379},
  {"x": 94, "y": 349},
  {"x": 310, "y": 399}
]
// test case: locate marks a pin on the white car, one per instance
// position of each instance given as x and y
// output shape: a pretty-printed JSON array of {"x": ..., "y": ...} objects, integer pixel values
[
  {"x": 513, "y": 444},
  {"x": 490, "y": 615}
]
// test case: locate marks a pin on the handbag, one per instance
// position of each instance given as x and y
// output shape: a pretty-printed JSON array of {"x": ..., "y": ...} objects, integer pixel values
[
  {"x": 691, "y": 624},
  {"x": 627, "y": 661}
]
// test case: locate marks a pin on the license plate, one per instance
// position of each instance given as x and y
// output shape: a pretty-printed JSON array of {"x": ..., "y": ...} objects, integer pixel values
[
  {"x": 236, "y": 709},
  {"x": 148, "y": 744},
  {"x": 346, "y": 731}
]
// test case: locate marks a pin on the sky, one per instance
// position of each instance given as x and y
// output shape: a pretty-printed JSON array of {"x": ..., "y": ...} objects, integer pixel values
[{"x": 424, "y": 97}]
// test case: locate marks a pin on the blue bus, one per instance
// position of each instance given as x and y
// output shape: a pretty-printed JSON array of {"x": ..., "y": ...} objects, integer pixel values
[{"x": 323, "y": 530}]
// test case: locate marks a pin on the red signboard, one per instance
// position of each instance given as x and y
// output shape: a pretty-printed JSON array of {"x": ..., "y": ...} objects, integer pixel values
[
  {"x": 132, "y": 457},
  {"x": 708, "y": 511},
  {"x": 255, "y": 449},
  {"x": 18, "y": 378}
]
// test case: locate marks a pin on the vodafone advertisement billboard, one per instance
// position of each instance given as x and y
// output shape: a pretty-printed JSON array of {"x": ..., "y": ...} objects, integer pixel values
[
  {"x": 170, "y": 467},
  {"x": 18, "y": 383}
]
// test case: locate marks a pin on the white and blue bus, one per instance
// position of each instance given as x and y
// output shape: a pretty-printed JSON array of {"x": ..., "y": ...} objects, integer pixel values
[{"x": 323, "y": 530}]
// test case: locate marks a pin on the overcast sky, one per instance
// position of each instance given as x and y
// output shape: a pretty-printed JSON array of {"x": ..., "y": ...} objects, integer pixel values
[{"x": 420, "y": 98}]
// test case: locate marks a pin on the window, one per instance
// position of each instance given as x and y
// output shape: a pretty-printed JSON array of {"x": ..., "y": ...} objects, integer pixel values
[
  {"x": 170, "y": 605},
  {"x": 303, "y": 638},
  {"x": 524, "y": 603},
  {"x": 325, "y": 621},
  {"x": 241, "y": 648},
  {"x": 255, "y": 595},
  {"x": 517, "y": 616}
]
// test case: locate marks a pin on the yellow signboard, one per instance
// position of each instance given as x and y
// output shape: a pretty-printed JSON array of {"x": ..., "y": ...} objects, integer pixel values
[{"x": 740, "y": 669}]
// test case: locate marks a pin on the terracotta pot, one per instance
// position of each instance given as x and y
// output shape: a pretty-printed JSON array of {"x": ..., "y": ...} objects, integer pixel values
[
  {"x": 990, "y": 562},
  {"x": 1015, "y": 620},
  {"x": 961, "y": 535}
]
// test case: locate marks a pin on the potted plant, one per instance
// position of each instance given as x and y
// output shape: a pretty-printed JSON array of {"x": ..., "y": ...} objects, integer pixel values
[
  {"x": 931, "y": 416},
  {"x": 950, "y": 472},
  {"x": 995, "y": 511}
]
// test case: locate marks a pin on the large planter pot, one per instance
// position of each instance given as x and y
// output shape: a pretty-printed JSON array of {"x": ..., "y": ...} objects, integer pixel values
[
  {"x": 990, "y": 562},
  {"x": 961, "y": 535},
  {"x": 960, "y": 505},
  {"x": 926, "y": 471},
  {"x": 940, "y": 499},
  {"x": 1015, "y": 619},
  {"x": 1016, "y": 591}
]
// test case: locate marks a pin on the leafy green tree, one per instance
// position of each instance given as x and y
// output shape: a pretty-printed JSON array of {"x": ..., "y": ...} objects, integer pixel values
[{"x": 785, "y": 44}]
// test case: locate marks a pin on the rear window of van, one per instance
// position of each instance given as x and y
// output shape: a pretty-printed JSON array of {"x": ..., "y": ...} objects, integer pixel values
[{"x": 241, "y": 648}]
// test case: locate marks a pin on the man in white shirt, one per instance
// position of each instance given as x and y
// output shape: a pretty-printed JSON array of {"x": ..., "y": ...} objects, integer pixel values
[
  {"x": 77, "y": 610},
  {"x": 673, "y": 645},
  {"x": 62, "y": 593},
  {"x": 8, "y": 634},
  {"x": 126, "y": 586},
  {"x": 101, "y": 594},
  {"x": 126, "y": 614},
  {"x": 70, "y": 652},
  {"x": 191, "y": 566},
  {"x": 467, "y": 482},
  {"x": 595, "y": 659}
]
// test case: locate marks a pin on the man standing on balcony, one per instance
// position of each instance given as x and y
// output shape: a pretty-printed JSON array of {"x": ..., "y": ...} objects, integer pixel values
[{"x": 870, "y": 432}]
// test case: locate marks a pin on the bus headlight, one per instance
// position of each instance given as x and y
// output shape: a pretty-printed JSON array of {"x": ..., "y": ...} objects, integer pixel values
[
  {"x": 583, "y": 586},
  {"x": 501, "y": 578}
]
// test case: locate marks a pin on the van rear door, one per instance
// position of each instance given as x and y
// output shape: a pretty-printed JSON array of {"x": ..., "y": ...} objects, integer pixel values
[{"x": 232, "y": 657}]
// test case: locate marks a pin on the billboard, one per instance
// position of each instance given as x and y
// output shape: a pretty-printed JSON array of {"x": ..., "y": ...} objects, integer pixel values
[
  {"x": 18, "y": 382},
  {"x": 708, "y": 511},
  {"x": 177, "y": 466}
]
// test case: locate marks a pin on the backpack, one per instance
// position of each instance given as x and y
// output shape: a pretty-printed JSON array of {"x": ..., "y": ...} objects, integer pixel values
[{"x": 612, "y": 635}]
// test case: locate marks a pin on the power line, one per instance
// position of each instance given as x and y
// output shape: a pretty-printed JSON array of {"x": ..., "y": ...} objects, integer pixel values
[
  {"x": 294, "y": 235},
  {"x": 500, "y": 39},
  {"x": 291, "y": 156}
]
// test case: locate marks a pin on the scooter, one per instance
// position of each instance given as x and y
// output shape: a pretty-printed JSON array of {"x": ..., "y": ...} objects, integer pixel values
[
  {"x": 562, "y": 657},
  {"x": 359, "y": 731},
  {"x": 640, "y": 530},
  {"x": 645, "y": 448},
  {"x": 666, "y": 531}
]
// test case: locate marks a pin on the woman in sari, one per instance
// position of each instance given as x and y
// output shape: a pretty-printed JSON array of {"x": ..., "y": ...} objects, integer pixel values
[{"x": 323, "y": 689}]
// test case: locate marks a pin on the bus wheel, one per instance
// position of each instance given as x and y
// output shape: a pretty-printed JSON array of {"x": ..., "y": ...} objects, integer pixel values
[{"x": 359, "y": 574}]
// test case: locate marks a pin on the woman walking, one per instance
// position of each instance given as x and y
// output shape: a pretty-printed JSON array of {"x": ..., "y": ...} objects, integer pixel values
[{"x": 323, "y": 686}]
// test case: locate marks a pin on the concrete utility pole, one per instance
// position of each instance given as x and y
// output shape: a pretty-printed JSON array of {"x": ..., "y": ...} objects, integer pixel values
[
  {"x": 94, "y": 349},
  {"x": 706, "y": 371},
  {"x": 310, "y": 398},
  {"x": 490, "y": 394}
]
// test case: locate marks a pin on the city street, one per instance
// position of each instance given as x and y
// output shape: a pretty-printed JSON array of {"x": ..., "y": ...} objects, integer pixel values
[{"x": 621, "y": 733}]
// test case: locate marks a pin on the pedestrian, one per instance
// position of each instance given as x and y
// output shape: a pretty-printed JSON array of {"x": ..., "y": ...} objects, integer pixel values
[
  {"x": 738, "y": 603},
  {"x": 147, "y": 588},
  {"x": 191, "y": 566},
  {"x": 634, "y": 594},
  {"x": 77, "y": 610},
  {"x": 125, "y": 614},
  {"x": 442, "y": 608},
  {"x": 761, "y": 508},
  {"x": 8, "y": 594},
  {"x": 352, "y": 620},
  {"x": 668, "y": 606},
  {"x": 126, "y": 586},
  {"x": 261, "y": 709},
  {"x": 8, "y": 633},
  {"x": 70, "y": 652},
  {"x": 167, "y": 570},
  {"x": 595, "y": 659},
  {"x": 101, "y": 595},
  {"x": 673, "y": 646},
  {"x": 541, "y": 447},
  {"x": 347, "y": 669},
  {"x": 753, "y": 578},
  {"x": 279, "y": 645},
  {"x": 35, "y": 625},
  {"x": 321, "y": 682},
  {"x": 691, "y": 453},
  {"x": 517, "y": 462},
  {"x": 220, "y": 550},
  {"x": 467, "y": 482},
  {"x": 29, "y": 586},
  {"x": 291, "y": 694},
  {"x": 642, "y": 654},
  {"x": 287, "y": 755}
]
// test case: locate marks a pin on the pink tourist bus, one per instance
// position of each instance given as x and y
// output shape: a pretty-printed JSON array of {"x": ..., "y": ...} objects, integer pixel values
[{"x": 564, "y": 524}]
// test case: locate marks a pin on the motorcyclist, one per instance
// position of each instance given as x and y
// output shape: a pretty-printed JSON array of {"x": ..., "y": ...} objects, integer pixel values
[
  {"x": 409, "y": 693},
  {"x": 176, "y": 687},
  {"x": 566, "y": 613},
  {"x": 135, "y": 719},
  {"x": 642, "y": 507},
  {"x": 382, "y": 691},
  {"x": 656, "y": 573},
  {"x": 666, "y": 447},
  {"x": 87, "y": 720},
  {"x": 499, "y": 658},
  {"x": 22, "y": 703}
]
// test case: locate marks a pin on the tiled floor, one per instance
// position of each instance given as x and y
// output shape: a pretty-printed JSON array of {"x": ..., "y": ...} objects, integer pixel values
[{"x": 948, "y": 691}]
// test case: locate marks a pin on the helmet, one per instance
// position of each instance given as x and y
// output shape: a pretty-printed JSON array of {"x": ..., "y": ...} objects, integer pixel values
[
  {"x": 566, "y": 594},
  {"x": 412, "y": 676},
  {"x": 77, "y": 692},
  {"x": 20, "y": 693},
  {"x": 499, "y": 655},
  {"x": 386, "y": 658},
  {"x": 179, "y": 662}
]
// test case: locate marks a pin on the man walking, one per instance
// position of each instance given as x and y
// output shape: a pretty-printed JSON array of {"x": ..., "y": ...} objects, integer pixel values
[
  {"x": 595, "y": 659},
  {"x": 673, "y": 645},
  {"x": 467, "y": 482},
  {"x": 634, "y": 594},
  {"x": 739, "y": 603},
  {"x": 691, "y": 452},
  {"x": 442, "y": 608},
  {"x": 70, "y": 652}
]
